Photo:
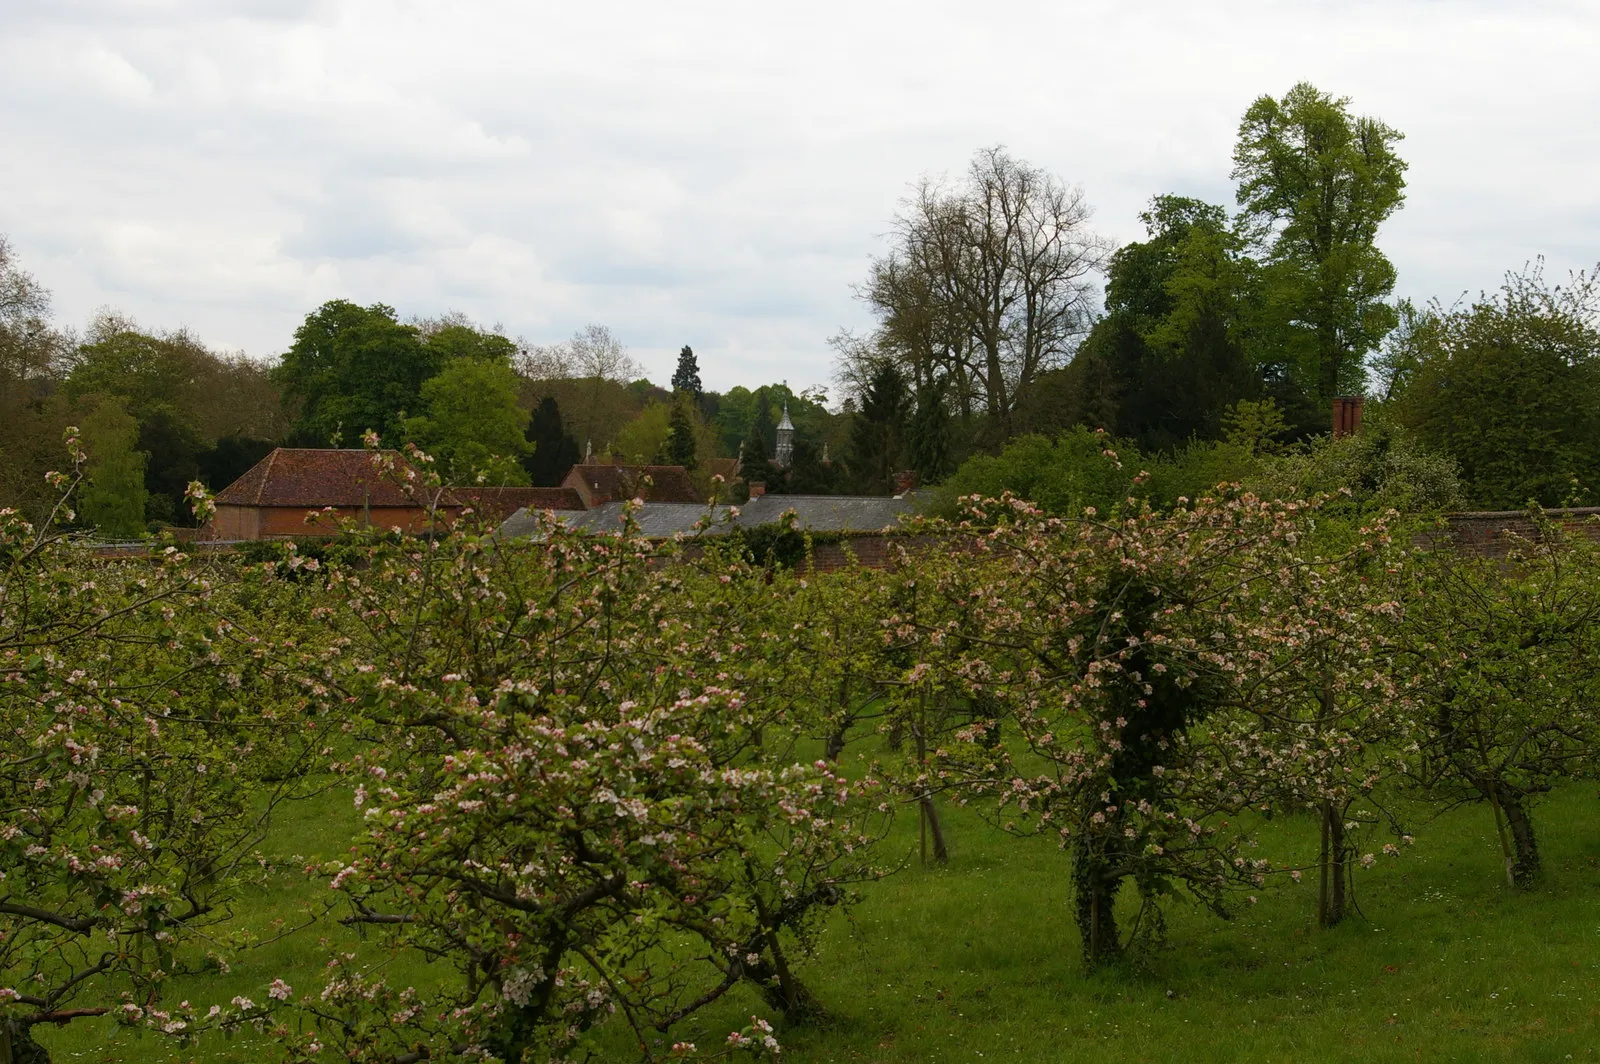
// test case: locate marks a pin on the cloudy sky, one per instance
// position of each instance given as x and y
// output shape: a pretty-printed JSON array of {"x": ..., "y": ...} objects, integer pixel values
[{"x": 715, "y": 173}]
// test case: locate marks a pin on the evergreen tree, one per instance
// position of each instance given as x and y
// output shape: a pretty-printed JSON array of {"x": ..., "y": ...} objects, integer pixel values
[
  {"x": 686, "y": 378},
  {"x": 113, "y": 496},
  {"x": 554, "y": 451},
  {"x": 877, "y": 439},
  {"x": 758, "y": 442},
  {"x": 928, "y": 435},
  {"x": 680, "y": 445}
]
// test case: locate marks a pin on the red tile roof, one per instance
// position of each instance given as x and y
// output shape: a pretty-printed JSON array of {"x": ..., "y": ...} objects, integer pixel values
[
  {"x": 669, "y": 483},
  {"x": 309, "y": 477}
]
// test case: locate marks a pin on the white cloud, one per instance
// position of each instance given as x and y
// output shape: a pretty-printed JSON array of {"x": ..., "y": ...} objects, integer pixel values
[{"x": 713, "y": 173}]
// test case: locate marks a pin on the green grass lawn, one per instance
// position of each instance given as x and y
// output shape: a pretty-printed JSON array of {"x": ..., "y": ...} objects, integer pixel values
[{"x": 979, "y": 961}]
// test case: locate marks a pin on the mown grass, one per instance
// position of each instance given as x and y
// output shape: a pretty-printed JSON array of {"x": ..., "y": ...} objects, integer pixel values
[{"x": 978, "y": 961}]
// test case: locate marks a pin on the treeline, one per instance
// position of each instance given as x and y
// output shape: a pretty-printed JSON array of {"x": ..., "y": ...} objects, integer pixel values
[
  {"x": 159, "y": 409},
  {"x": 987, "y": 329},
  {"x": 990, "y": 331}
]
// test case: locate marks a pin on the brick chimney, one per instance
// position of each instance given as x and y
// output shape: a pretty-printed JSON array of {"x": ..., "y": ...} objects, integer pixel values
[
  {"x": 904, "y": 481},
  {"x": 1346, "y": 415},
  {"x": 758, "y": 488}
]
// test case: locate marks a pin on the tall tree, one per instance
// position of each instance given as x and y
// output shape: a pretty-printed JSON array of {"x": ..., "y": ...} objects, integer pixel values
[
  {"x": 1174, "y": 348},
  {"x": 554, "y": 451},
  {"x": 681, "y": 444},
  {"x": 30, "y": 348},
  {"x": 877, "y": 439},
  {"x": 1315, "y": 183},
  {"x": 33, "y": 355},
  {"x": 113, "y": 495},
  {"x": 474, "y": 425},
  {"x": 455, "y": 339},
  {"x": 686, "y": 378},
  {"x": 590, "y": 376},
  {"x": 352, "y": 369},
  {"x": 928, "y": 441},
  {"x": 988, "y": 283}
]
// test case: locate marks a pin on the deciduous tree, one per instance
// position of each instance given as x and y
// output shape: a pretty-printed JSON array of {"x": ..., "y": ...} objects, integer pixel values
[
  {"x": 353, "y": 369},
  {"x": 1315, "y": 185}
]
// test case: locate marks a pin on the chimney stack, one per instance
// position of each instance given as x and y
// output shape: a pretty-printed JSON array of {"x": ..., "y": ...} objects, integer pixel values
[
  {"x": 1346, "y": 415},
  {"x": 758, "y": 488},
  {"x": 905, "y": 481}
]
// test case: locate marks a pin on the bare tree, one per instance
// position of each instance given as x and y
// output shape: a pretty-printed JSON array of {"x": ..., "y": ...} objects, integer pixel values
[
  {"x": 29, "y": 346},
  {"x": 593, "y": 353},
  {"x": 588, "y": 376},
  {"x": 988, "y": 284}
]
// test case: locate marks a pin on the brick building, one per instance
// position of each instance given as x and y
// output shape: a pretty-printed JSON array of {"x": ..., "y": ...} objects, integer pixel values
[{"x": 274, "y": 498}]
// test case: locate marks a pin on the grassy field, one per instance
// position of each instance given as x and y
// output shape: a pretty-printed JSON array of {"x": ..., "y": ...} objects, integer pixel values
[{"x": 979, "y": 962}]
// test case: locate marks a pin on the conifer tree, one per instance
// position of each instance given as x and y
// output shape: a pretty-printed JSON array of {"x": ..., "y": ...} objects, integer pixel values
[
  {"x": 687, "y": 376},
  {"x": 928, "y": 435},
  {"x": 877, "y": 439},
  {"x": 680, "y": 445},
  {"x": 554, "y": 450}
]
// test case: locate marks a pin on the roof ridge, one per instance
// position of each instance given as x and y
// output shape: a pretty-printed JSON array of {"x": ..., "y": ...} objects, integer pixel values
[{"x": 266, "y": 475}]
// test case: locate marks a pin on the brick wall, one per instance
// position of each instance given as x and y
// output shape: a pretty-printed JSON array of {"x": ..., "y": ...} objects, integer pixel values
[{"x": 1491, "y": 533}]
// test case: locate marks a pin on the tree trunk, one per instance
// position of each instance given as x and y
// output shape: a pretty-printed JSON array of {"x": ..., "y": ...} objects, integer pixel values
[
  {"x": 930, "y": 824},
  {"x": 18, "y": 1047},
  {"x": 1524, "y": 859},
  {"x": 1335, "y": 870},
  {"x": 1095, "y": 896},
  {"x": 780, "y": 988}
]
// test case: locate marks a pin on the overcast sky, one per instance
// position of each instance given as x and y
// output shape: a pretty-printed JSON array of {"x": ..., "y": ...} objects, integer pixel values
[{"x": 717, "y": 174}]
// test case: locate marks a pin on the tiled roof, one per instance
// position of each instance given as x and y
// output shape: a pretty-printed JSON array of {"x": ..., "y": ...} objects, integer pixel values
[
  {"x": 669, "y": 483},
  {"x": 308, "y": 477},
  {"x": 497, "y": 504}
]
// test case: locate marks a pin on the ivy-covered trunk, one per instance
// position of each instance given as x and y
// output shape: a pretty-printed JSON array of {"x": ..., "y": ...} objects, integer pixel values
[
  {"x": 18, "y": 1047},
  {"x": 1518, "y": 844},
  {"x": 1095, "y": 888}
]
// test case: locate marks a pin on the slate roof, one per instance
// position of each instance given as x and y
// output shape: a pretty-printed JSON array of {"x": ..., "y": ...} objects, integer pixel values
[
  {"x": 660, "y": 520},
  {"x": 306, "y": 477},
  {"x": 829, "y": 513},
  {"x": 669, "y": 483}
]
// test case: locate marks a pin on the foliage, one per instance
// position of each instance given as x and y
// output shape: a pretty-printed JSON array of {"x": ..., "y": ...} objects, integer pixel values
[
  {"x": 553, "y": 450},
  {"x": 353, "y": 369},
  {"x": 1507, "y": 650},
  {"x": 113, "y": 495},
  {"x": 1510, "y": 388},
  {"x": 686, "y": 378},
  {"x": 474, "y": 424},
  {"x": 682, "y": 443},
  {"x": 1175, "y": 347},
  {"x": 151, "y": 728},
  {"x": 643, "y": 440},
  {"x": 1061, "y": 476},
  {"x": 878, "y": 433},
  {"x": 1383, "y": 467},
  {"x": 1315, "y": 184}
]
